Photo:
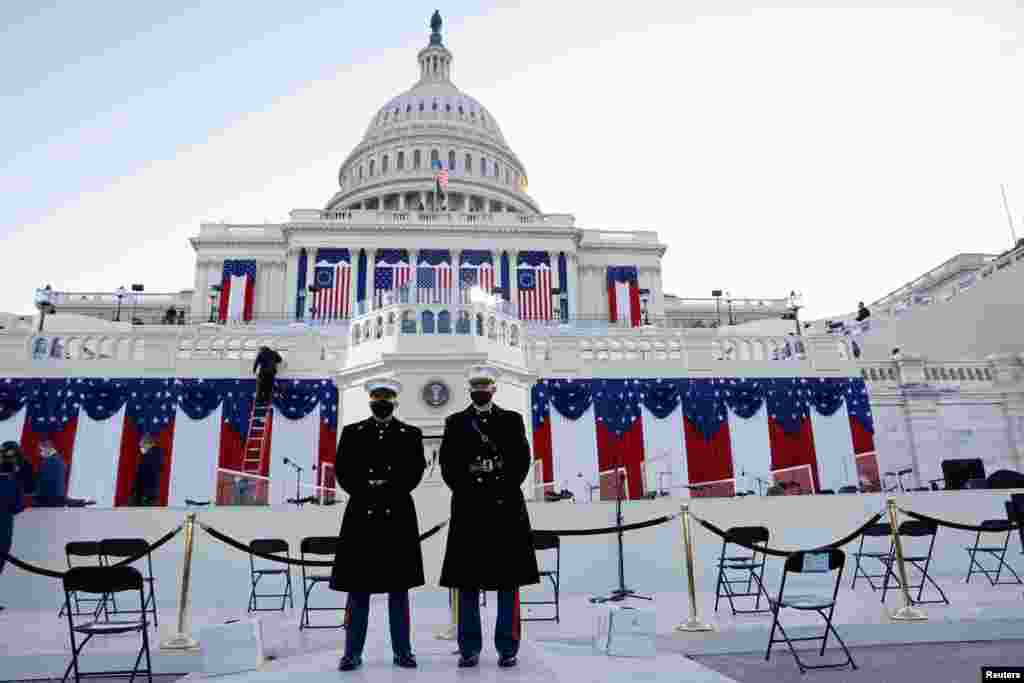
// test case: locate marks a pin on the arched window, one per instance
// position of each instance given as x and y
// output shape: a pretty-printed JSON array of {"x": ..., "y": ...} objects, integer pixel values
[
  {"x": 360, "y": 172},
  {"x": 378, "y": 329},
  {"x": 503, "y": 332},
  {"x": 421, "y": 105},
  {"x": 479, "y": 325},
  {"x": 416, "y": 159},
  {"x": 372, "y": 162},
  {"x": 386, "y": 114},
  {"x": 462, "y": 326},
  {"x": 408, "y": 108},
  {"x": 434, "y": 60},
  {"x": 497, "y": 170},
  {"x": 483, "y": 166},
  {"x": 434, "y": 106},
  {"x": 355, "y": 336},
  {"x": 451, "y": 160},
  {"x": 514, "y": 336},
  {"x": 492, "y": 331},
  {"x": 400, "y": 161},
  {"x": 384, "y": 164},
  {"x": 444, "y": 322},
  {"x": 469, "y": 164},
  {"x": 427, "y": 319},
  {"x": 448, "y": 107},
  {"x": 434, "y": 156},
  {"x": 461, "y": 110}
]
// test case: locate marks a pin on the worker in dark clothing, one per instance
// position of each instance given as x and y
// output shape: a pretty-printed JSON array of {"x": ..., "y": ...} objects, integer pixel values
[
  {"x": 12, "y": 499},
  {"x": 862, "y": 312},
  {"x": 51, "y": 486},
  {"x": 146, "y": 490},
  {"x": 265, "y": 367}
]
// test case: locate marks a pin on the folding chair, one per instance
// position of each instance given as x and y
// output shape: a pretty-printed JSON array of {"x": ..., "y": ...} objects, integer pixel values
[
  {"x": 914, "y": 528},
  {"x": 751, "y": 565},
  {"x": 874, "y": 531},
  {"x": 810, "y": 562},
  {"x": 119, "y": 548},
  {"x": 106, "y": 581},
  {"x": 998, "y": 552},
  {"x": 316, "y": 545},
  {"x": 84, "y": 549},
  {"x": 270, "y": 546},
  {"x": 547, "y": 541}
]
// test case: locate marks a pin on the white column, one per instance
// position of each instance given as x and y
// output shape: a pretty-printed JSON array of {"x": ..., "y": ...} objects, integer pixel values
[
  {"x": 571, "y": 266},
  {"x": 279, "y": 312},
  {"x": 198, "y": 291},
  {"x": 513, "y": 278},
  {"x": 291, "y": 284},
  {"x": 372, "y": 259},
  {"x": 401, "y": 201},
  {"x": 353, "y": 280},
  {"x": 310, "y": 272}
]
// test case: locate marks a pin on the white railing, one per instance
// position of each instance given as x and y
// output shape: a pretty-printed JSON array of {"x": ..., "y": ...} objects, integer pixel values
[
  {"x": 476, "y": 320},
  {"x": 936, "y": 373},
  {"x": 432, "y": 218}
]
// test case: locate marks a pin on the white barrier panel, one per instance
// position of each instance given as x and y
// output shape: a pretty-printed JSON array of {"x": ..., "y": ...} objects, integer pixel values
[
  {"x": 194, "y": 474},
  {"x": 97, "y": 452}
]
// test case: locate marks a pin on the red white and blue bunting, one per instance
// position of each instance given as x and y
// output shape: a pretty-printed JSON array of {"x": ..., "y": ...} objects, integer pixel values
[
  {"x": 96, "y": 425},
  {"x": 728, "y": 434}
]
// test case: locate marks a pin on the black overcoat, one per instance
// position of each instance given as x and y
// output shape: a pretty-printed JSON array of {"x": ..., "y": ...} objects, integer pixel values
[
  {"x": 379, "y": 551},
  {"x": 490, "y": 542}
]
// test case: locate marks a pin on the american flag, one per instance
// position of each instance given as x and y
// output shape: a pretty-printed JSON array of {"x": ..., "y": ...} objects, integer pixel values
[
  {"x": 534, "y": 292},
  {"x": 388, "y": 278},
  {"x": 333, "y": 278},
  {"x": 434, "y": 284},
  {"x": 471, "y": 276}
]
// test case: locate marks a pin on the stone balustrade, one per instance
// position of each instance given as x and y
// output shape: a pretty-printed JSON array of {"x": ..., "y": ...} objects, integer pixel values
[{"x": 430, "y": 218}]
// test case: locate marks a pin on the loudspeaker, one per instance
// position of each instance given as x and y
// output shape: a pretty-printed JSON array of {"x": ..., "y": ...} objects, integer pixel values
[{"x": 958, "y": 472}]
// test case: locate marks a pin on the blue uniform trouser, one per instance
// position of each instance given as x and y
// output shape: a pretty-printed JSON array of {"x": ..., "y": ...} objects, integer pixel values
[
  {"x": 506, "y": 632},
  {"x": 357, "y": 619}
]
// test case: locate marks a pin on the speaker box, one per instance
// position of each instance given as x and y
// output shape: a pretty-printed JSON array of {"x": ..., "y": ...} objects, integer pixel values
[{"x": 958, "y": 472}]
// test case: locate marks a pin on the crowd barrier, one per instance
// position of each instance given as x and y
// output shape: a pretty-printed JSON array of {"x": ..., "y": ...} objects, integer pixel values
[{"x": 908, "y": 612}]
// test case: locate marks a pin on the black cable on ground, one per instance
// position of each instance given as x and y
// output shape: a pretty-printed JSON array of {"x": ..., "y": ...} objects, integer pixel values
[
  {"x": 955, "y": 525},
  {"x": 786, "y": 553}
]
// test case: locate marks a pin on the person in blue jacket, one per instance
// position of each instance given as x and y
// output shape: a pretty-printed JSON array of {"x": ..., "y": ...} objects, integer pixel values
[
  {"x": 51, "y": 482},
  {"x": 12, "y": 500}
]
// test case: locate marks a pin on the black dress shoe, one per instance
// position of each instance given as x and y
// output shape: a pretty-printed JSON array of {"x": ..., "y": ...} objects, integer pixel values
[
  {"x": 406, "y": 661},
  {"x": 350, "y": 663},
  {"x": 506, "y": 661},
  {"x": 468, "y": 661}
]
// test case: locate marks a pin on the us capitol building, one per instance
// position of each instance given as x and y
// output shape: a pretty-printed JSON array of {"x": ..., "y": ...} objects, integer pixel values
[{"x": 432, "y": 257}]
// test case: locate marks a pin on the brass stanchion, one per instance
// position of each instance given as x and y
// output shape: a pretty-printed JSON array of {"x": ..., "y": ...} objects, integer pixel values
[
  {"x": 693, "y": 623},
  {"x": 908, "y": 612},
  {"x": 182, "y": 640},
  {"x": 452, "y": 632}
]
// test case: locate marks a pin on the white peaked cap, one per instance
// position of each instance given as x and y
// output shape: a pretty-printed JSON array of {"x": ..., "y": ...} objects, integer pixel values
[
  {"x": 384, "y": 384},
  {"x": 479, "y": 373}
]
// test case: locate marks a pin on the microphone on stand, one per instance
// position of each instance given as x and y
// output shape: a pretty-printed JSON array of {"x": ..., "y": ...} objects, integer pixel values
[{"x": 293, "y": 464}]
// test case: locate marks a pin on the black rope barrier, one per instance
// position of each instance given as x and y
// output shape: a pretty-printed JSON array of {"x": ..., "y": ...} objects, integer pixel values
[
  {"x": 786, "y": 553},
  {"x": 53, "y": 574},
  {"x": 608, "y": 529},
  {"x": 238, "y": 545},
  {"x": 955, "y": 525}
]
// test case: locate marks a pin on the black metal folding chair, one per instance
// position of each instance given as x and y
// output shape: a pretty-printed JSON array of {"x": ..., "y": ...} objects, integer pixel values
[
  {"x": 750, "y": 565},
  {"x": 318, "y": 546},
  {"x": 106, "y": 581},
  {"x": 920, "y": 561},
  {"x": 270, "y": 546},
  {"x": 84, "y": 549},
  {"x": 114, "y": 549},
  {"x": 810, "y": 562},
  {"x": 997, "y": 552},
  {"x": 874, "y": 531},
  {"x": 548, "y": 541}
]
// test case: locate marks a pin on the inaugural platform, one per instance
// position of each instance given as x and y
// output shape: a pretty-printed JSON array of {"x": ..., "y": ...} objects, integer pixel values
[{"x": 200, "y": 445}]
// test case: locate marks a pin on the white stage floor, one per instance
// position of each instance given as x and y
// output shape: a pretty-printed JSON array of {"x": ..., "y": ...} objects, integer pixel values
[{"x": 35, "y": 644}]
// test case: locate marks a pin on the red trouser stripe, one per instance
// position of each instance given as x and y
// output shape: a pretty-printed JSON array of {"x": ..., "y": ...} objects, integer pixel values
[{"x": 517, "y": 624}]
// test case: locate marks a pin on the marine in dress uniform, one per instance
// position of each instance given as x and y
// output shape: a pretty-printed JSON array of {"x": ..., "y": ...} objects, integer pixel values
[
  {"x": 379, "y": 463},
  {"x": 485, "y": 458}
]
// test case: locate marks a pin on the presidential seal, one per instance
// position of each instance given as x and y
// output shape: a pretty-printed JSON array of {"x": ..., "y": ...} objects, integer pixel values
[{"x": 436, "y": 393}]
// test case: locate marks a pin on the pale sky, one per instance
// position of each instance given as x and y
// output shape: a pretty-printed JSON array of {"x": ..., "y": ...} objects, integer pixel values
[{"x": 839, "y": 152}]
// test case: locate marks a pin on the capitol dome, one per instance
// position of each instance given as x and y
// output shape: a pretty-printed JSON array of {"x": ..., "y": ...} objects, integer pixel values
[{"x": 392, "y": 168}]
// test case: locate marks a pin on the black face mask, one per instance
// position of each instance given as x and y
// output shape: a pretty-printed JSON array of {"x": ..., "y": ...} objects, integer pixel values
[
  {"x": 480, "y": 398},
  {"x": 382, "y": 409}
]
